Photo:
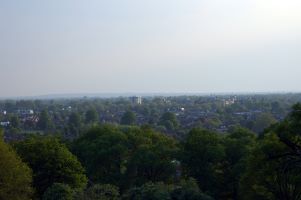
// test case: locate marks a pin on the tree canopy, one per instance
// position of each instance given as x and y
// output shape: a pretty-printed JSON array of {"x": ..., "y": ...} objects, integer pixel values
[
  {"x": 15, "y": 176},
  {"x": 274, "y": 170},
  {"x": 202, "y": 158},
  {"x": 126, "y": 157},
  {"x": 128, "y": 118},
  {"x": 58, "y": 191},
  {"x": 51, "y": 162},
  {"x": 111, "y": 161},
  {"x": 91, "y": 116},
  {"x": 169, "y": 121}
]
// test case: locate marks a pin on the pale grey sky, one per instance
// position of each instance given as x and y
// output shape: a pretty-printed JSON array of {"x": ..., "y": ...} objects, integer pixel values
[{"x": 95, "y": 46}]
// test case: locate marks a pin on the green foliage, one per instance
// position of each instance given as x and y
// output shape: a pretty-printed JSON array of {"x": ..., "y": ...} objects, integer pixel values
[
  {"x": 264, "y": 176},
  {"x": 51, "y": 163},
  {"x": 188, "y": 190},
  {"x": 149, "y": 191},
  {"x": 210, "y": 123},
  {"x": 128, "y": 118},
  {"x": 58, "y": 191},
  {"x": 263, "y": 121},
  {"x": 15, "y": 176},
  {"x": 185, "y": 190},
  {"x": 238, "y": 145},
  {"x": 15, "y": 121},
  {"x": 74, "y": 125},
  {"x": 274, "y": 170},
  {"x": 169, "y": 121},
  {"x": 131, "y": 156},
  {"x": 91, "y": 116},
  {"x": 102, "y": 151},
  {"x": 102, "y": 192},
  {"x": 202, "y": 158},
  {"x": 145, "y": 164},
  {"x": 44, "y": 122},
  {"x": 151, "y": 157},
  {"x": 74, "y": 120}
]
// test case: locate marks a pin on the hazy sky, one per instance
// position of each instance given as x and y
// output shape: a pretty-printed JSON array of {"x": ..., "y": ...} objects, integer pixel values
[{"x": 95, "y": 46}]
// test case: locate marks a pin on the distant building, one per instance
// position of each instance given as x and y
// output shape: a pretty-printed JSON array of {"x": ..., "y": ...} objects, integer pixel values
[
  {"x": 136, "y": 100},
  {"x": 3, "y": 112},
  {"x": 230, "y": 101},
  {"x": 25, "y": 112},
  {"x": 30, "y": 119},
  {"x": 4, "y": 124}
]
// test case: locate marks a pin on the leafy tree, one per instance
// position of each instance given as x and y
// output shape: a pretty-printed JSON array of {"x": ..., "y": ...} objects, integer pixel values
[
  {"x": 44, "y": 122},
  {"x": 131, "y": 156},
  {"x": 263, "y": 121},
  {"x": 102, "y": 150},
  {"x": 202, "y": 157},
  {"x": 74, "y": 120},
  {"x": 58, "y": 191},
  {"x": 128, "y": 118},
  {"x": 74, "y": 124},
  {"x": 102, "y": 192},
  {"x": 273, "y": 170},
  {"x": 51, "y": 163},
  {"x": 269, "y": 175},
  {"x": 15, "y": 176},
  {"x": 289, "y": 131},
  {"x": 238, "y": 145},
  {"x": 149, "y": 191},
  {"x": 91, "y": 116},
  {"x": 212, "y": 123},
  {"x": 15, "y": 121},
  {"x": 169, "y": 120},
  {"x": 276, "y": 107},
  {"x": 151, "y": 157},
  {"x": 188, "y": 190}
]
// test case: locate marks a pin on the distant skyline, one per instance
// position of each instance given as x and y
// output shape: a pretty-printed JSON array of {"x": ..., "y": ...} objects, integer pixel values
[{"x": 151, "y": 46}]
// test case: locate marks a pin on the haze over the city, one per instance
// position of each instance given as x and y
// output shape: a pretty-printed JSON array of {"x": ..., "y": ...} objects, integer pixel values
[{"x": 119, "y": 46}]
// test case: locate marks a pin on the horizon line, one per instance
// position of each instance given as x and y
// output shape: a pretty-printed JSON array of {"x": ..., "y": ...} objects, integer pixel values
[{"x": 142, "y": 94}]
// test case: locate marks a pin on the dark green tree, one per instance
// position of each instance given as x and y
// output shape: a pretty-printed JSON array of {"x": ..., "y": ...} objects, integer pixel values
[
  {"x": 269, "y": 174},
  {"x": 149, "y": 191},
  {"x": 202, "y": 158},
  {"x": 59, "y": 191},
  {"x": 15, "y": 176},
  {"x": 151, "y": 157},
  {"x": 263, "y": 121},
  {"x": 15, "y": 121},
  {"x": 44, "y": 122},
  {"x": 128, "y": 118},
  {"x": 102, "y": 192},
  {"x": 102, "y": 151},
  {"x": 74, "y": 125},
  {"x": 51, "y": 163},
  {"x": 91, "y": 116},
  {"x": 185, "y": 190},
  {"x": 274, "y": 170},
  {"x": 74, "y": 120},
  {"x": 238, "y": 146},
  {"x": 188, "y": 190},
  {"x": 169, "y": 121}
]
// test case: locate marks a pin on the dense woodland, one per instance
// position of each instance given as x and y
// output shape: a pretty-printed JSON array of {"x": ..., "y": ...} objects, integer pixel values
[{"x": 173, "y": 148}]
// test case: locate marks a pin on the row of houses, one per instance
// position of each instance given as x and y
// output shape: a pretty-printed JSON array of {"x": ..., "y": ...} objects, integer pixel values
[{"x": 24, "y": 115}]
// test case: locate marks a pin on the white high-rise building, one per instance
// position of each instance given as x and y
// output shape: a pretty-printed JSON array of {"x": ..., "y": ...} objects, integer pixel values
[{"x": 136, "y": 100}]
